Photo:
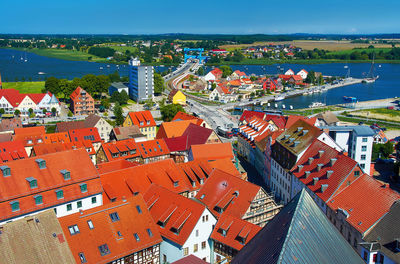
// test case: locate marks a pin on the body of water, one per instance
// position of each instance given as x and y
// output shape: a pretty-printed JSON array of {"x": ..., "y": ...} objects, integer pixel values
[
  {"x": 13, "y": 65},
  {"x": 20, "y": 64},
  {"x": 387, "y": 86}
]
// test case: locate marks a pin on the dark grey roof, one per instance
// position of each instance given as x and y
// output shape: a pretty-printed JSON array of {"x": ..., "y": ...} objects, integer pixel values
[
  {"x": 359, "y": 130},
  {"x": 119, "y": 85},
  {"x": 385, "y": 232},
  {"x": 300, "y": 233},
  {"x": 91, "y": 120}
]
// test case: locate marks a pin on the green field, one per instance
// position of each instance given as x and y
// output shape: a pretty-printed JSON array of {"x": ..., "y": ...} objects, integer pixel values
[
  {"x": 25, "y": 87},
  {"x": 123, "y": 49},
  {"x": 349, "y": 51},
  {"x": 67, "y": 54}
]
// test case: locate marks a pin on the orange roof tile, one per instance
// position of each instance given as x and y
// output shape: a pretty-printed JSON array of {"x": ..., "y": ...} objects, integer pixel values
[
  {"x": 173, "y": 212},
  {"x": 123, "y": 149},
  {"x": 30, "y": 135},
  {"x": 237, "y": 232},
  {"x": 212, "y": 151},
  {"x": 365, "y": 201},
  {"x": 225, "y": 165},
  {"x": 293, "y": 119},
  {"x": 184, "y": 116},
  {"x": 232, "y": 194},
  {"x": 111, "y": 166},
  {"x": 62, "y": 137},
  {"x": 16, "y": 187},
  {"x": 82, "y": 134},
  {"x": 142, "y": 119},
  {"x": 12, "y": 150},
  {"x": 119, "y": 235},
  {"x": 58, "y": 146},
  {"x": 138, "y": 179},
  {"x": 315, "y": 175},
  {"x": 174, "y": 128},
  {"x": 153, "y": 148}
]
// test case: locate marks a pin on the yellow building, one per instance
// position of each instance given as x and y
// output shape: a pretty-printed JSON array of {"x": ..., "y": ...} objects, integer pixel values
[
  {"x": 177, "y": 97},
  {"x": 144, "y": 120}
]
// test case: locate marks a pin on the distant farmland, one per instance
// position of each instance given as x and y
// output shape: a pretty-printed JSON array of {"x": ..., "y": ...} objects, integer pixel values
[{"x": 312, "y": 44}]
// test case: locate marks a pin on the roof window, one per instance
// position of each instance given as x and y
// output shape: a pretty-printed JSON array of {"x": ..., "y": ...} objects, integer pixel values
[
  {"x": 114, "y": 217},
  {"x": 41, "y": 163},
  {"x": 32, "y": 182},
  {"x": 5, "y": 170},
  {"x": 66, "y": 174}
]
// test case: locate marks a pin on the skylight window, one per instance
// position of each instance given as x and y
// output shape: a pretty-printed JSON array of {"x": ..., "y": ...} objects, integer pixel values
[
  {"x": 73, "y": 230},
  {"x": 114, "y": 217}
]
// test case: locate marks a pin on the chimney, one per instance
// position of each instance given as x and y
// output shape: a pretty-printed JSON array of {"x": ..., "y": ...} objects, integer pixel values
[
  {"x": 307, "y": 173},
  {"x": 329, "y": 173},
  {"x": 319, "y": 166},
  {"x": 324, "y": 187},
  {"x": 332, "y": 162},
  {"x": 310, "y": 160},
  {"x": 315, "y": 180},
  {"x": 299, "y": 168},
  {"x": 320, "y": 153},
  {"x": 305, "y": 131}
]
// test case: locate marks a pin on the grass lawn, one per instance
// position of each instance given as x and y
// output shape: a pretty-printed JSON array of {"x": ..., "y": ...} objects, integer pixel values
[
  {"x": 357, "y": 120},
  {"x": 349, "y": 51},
  {"x": 309, "y": 111},
  {"x": 25, "y": 87},
  {"x": 67, "y": 54},
  {"x": 123, "y": 49}
]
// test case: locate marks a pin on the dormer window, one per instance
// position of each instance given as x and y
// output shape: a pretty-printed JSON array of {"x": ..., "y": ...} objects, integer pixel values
[
  {"x": 32, "y": 182},
  {"x": 38, "y": 199},
  {"x": 5, "y": 170},
  {"x": 148, "y": 122},
  {"x": 83, "y": 187},
  {"x": 176, "y": 183},
  {"x": 41, "y": 163},
  {"x": 29, "y": 141},
  {"x": 141, "y": 123},
  {"x": 14, "y": 206},
  {"x": 60, "y": 194},
  {"x": 66, "y": 174},
  {"x": 132, "y": 151}
]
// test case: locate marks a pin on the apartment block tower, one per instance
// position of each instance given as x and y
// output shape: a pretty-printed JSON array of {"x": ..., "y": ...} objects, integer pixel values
[{"x": 141, "y": 82}]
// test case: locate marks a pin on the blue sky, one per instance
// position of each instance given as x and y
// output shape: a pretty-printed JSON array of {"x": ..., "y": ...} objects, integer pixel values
[{"x": 177, "y": 16}]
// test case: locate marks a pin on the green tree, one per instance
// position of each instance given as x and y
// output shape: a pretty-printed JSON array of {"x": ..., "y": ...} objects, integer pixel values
[
  {"x": 148, "y": 104},
  {"x": 123, "y": 98},
  {"x": 2, "y": 111},
  {"x": 159, "y": 85},
  {"x": 119, "y": 118},
  {"x": 169, "y": 111},
  {"x": 253, "y": 78},
  {"x": 30, "y": 110},
  {"x": 70, "y": 114},
  {"x": 200, "y": 71},
  {"x": 44, "y": 111},
  {"x": 54, "y": 111},
  {"x": 105, "y": 103},
  {"x": 114, "y": 77},
  {"x": 17, "y": 112},
  {"x": 52, "y": 85},
  {"x": 310, "y": 77},
  {"x": 226, "y": 71}
]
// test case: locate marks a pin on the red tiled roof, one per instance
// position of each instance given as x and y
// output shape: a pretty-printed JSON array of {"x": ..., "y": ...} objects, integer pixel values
[
  {"x": 49, "y": 179},
  {"x": 61, "y": 137},
  {"x": 58, "y": 146},
  {"x": 174, "y": 128},
  {"x": 174, "y": 211},
  {"x": 278, "y": 120},
  {"x": 340, "y": 174},
  {"x": 142, "y": 119},
  {"x": 212, "y": 151},
  {"x": 184, "y": 116},
  {"x": 235, "y": 229},
  {"x": 111, "y": 166},
  {"x": 30, "y": 135},
  {"x": 105, "y": 231},
  {"x": 249, "y": 114},
  {"x": 10, "y": 124},
  {"x": 366, "y": 201},
  {"x": 83, "y": 134},
  {"x": 177, "y": 143},
  {"x": 153, "y": 148},
  {"x": 225, "y": 165},
  {"x": 138, "y": 179},
  {"x": 77, "y": 92},
  {"x": 196, "y": 134},
  {"x": 123, "y": 149},
  {"x": 66, "y": 126},
  {"x": 228, "y": 192},
  {"x": 191, "y": 259},
  {"x": 291, "y": 119},
  {"x": 12, "y": 150},
  {"x": 216, "y": 71}
]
